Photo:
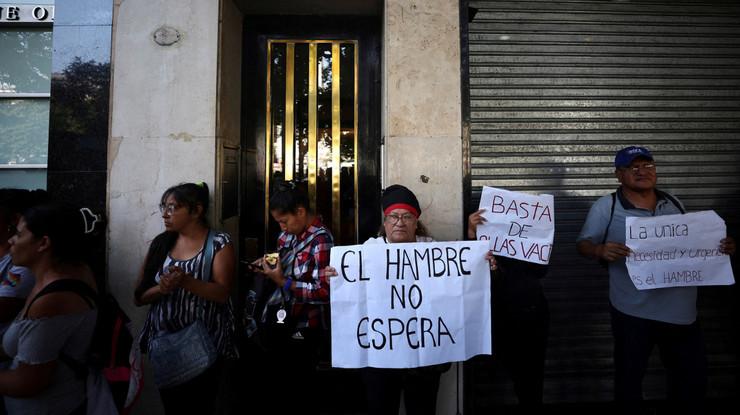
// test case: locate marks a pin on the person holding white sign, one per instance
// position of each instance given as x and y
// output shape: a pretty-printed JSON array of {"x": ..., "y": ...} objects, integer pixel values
[
  {"x": 665, "y": 317},
  {"x": 521, "y": 321},
  {"x": 383, "y": 386}
]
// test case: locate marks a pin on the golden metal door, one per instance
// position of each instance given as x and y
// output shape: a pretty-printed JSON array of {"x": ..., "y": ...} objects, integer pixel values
[{"x": 311, "y": 127}]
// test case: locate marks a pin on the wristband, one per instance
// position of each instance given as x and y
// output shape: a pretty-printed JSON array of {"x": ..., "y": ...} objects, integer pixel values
[{"x": 288, "y": 283}]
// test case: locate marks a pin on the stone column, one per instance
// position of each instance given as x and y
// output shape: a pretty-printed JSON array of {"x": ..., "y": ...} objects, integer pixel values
[
  {"x": 163, "y": 128},
  {"x": 422, "y": 108}
]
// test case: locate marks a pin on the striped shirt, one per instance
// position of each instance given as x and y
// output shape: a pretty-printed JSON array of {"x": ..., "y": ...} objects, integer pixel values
[{"x": 180, "y": 308}]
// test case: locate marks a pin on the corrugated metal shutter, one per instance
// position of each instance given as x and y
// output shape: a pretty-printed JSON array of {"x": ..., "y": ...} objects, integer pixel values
[{"x": 556, "y": 87}]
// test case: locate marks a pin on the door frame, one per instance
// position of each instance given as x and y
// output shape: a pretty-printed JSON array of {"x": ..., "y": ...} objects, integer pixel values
[{"x": 257, "y": 30}]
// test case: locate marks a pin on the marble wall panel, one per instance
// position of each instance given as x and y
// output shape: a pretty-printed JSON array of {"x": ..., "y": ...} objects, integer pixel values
[
  {"x": 422, "y": 68},
  {"x": 141, "y": 170},
  {"x": 422, "y": 121},
  {"x": 79, "y": 111}
]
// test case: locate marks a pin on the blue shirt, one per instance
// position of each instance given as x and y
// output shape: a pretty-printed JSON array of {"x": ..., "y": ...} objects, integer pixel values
[{"x": 675, "y": 305}]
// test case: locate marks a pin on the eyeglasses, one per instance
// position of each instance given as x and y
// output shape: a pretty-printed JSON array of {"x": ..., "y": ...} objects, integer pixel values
[
  {"x": 636, "y": 169},
  {"x": 393, "y": 219},
  {"x": 168, "y": 209}
]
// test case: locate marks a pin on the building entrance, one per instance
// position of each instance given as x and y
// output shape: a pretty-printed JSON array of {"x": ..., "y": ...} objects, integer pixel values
[{"x": 312, "y": 116}]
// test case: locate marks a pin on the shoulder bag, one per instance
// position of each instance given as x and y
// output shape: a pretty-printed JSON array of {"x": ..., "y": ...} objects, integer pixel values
[{"x": 182, "y": 355}]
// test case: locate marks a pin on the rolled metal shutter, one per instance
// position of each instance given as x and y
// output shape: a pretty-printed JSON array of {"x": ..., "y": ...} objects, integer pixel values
[{"x": 556, "y": 87}]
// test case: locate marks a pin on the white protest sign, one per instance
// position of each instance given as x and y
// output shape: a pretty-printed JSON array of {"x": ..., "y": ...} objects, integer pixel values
[
  {"x": 405, "y": 305},
  {"x": 677, "y": 251},
  {"x": 518, "y": 225}
]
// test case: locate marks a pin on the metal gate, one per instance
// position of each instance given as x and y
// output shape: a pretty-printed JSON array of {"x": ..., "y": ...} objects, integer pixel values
[
  {"x": 311, "y": 110},
  {"x": 556, "y": 87}
]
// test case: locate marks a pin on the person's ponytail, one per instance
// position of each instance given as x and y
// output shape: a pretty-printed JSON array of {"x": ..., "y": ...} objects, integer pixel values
[{"x": 203, "y": 197}]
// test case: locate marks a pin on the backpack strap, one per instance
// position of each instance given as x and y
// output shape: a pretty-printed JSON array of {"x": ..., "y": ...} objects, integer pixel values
[
  {"x": 76, "y": 286},
  {"x": 114, "y": 341},
  {"x": 614, "y": 202},
  {"x": 674, "y": 201},
  {"x": 208, "y": 256},
  {"x": 86, "y": 293},
  {"x": 207, "y": 266},
  {"x": 300, "y": 246},
  {"x": 611, "y": 216}
]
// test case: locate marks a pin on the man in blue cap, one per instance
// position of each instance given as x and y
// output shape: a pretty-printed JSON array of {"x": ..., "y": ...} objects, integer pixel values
[{"x": 665, "y": 317}]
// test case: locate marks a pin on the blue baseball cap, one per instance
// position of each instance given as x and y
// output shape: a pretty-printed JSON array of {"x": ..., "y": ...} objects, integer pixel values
[{"x": 626, "y": 155}]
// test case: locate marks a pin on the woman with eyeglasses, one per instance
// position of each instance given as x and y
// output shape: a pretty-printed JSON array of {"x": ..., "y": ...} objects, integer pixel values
[
  {"x": 383, "y": 386},
  {"x": 49, "y": 339},
  {"x": 173, "y": 282}
]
